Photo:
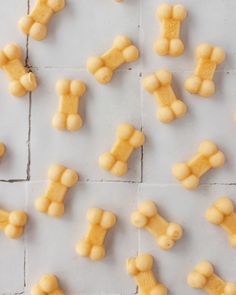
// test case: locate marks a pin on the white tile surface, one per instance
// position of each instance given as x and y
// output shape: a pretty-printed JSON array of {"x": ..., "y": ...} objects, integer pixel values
[
  {"x": 51, "y": 242},
  {"x": 12, "y": 197},
  {"x": 82, "y": 29},
  {"x": 85, "y": 28},
  {"x": 103, "y": 109},
  {"x": 14, "y": 111},
  {"x": 207, "y": 22},
  {"x": 210, "y": 118},
  {"x": 201, "y": 240},
  {"x": 14, "y": 134}
]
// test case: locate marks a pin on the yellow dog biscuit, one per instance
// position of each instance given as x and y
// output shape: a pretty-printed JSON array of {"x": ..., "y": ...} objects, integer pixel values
[
  {"x": 12, "y": 223},
  {"x": 68, "y": 117},
  {"x": 222, "y": 213},
  {"x": 201, "y": 81},
  {"x": 159, "y": 84},
  {"x": 21, "y": 81},
  {"x": 128, "y": 139},
  {"x": 35, "y": 24},
  {"x": 208, "y": 157},
  {"x": 141, "y": 269},
  {"x": 122, "y": 51},
  {"x": 2, "y": 149},
  {"x": 61, "y": 179},
  {"x": 166, "y": 233},
  {"x": 47, "y": 285},
  {"x": 203, "y": 277},
  {"x": 100, "y": 222},
  {"x": 171, "y": 17}
]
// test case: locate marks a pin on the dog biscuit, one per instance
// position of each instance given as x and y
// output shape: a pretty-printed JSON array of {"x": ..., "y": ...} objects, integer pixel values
[
  {"x": 159, "y": 84},
  {"x": 67, "y": 117},
  {"x": 203, "y": 277},
  {"x": 201, "y": 82},
  {"x": 35, "y": 24},
  {"x": 166, "y": 233},
  {"x": 21, "y": 81},
  {"x": 61, "y": 179},
  {"x": 171, "y": 17},
  {"x": 100, "y": 222},
  {"x": 222, "y": 213},
  {"x": 141, "y": 269},
  {"x": 128, "y": 139},
  {"x": 189, "y": 173},
  {"x": 47, "y": 285},
  {"x": 12, "y": 223},
  {"x": 2, "y": 149},
  {"x": 122, "y": 51}
]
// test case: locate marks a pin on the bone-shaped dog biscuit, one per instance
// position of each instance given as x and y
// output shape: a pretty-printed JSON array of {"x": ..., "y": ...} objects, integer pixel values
[
  {"x": 12, "y": 223},
  {"x": 222, "y": 213},
  {"x": 35, "y": 24},
  {"x": 122, "y": 51},
  {"x": 203, "y": 277},
  {"x": 100, "y": 222},
  {"x": 170, "y": 17},
  {"x": 115, "y": 161},
  {"x": 166, "y": 233},
  {"x": 47, "y": 285},
  {"x": 61, "y": 179},
  {"x": 141, "y": 269},
  {"x": 201, "y": 81},
  {"x": 68, "y": 117},
  {"x": 159, "y": 84},
  {"x": 2, "y": 149},
  {"x": 21, "y": 81},
  {"x": 208, "y": 156}
]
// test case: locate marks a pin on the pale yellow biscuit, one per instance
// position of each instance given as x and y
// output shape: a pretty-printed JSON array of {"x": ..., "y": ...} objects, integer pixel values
[
  {"x": 21, "y": 81},
  {"x": 67, "y": 117},
  {"x": 166, "y": 233},
  {"x": 201, "y": 82},
  {"x": 100, "y": 222},
  {"x": 61, "y": 179},
  {"x": 35, "y": 24},
  {"x": 222, "y": 213},
  {"x": 141, "y": 269},
  {"x": 13, "y": 223},
  {"x": 189, "y": 173},
  {"x": 2, "y": 149},
  {"x": 171, "y": 16},
  {"x": 159, "y": 84},
  {"x": 122, "y": 51},
  {"x": 47, "y": 285},
  {"x": 203, "y": 277},
  {"x": 128, "y": 139}
]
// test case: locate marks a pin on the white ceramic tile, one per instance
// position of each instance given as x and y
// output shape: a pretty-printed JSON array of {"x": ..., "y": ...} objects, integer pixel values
[
  {"x": 85, "y": 28},
  {"x": 51, "y": 242},
  {"x": 103, "y": 109},
  {"x": 178, "y": 141},
  {"x": 14, "y": 134},
  {"x": 201, "y": 240},
  {"x": 207, "y": 21},
  {"x": 11, "y": 11},
  {"x": 14, "y": 111},
  {"x": 12, "y": 197}
]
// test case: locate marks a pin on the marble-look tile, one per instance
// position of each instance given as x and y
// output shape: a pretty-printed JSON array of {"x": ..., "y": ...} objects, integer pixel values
[
  {"x": 12, "y": 197},
  {"x": 201, "y": 240},
  {"x": 14, "y": 111},
  {"x": 207, "y": 22},
  {"x": 84, "y": 28},
  {"x": 51, "y": 242},
  {"x": 207, "y": 118},
  {"x": 102, "y": 109}
]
